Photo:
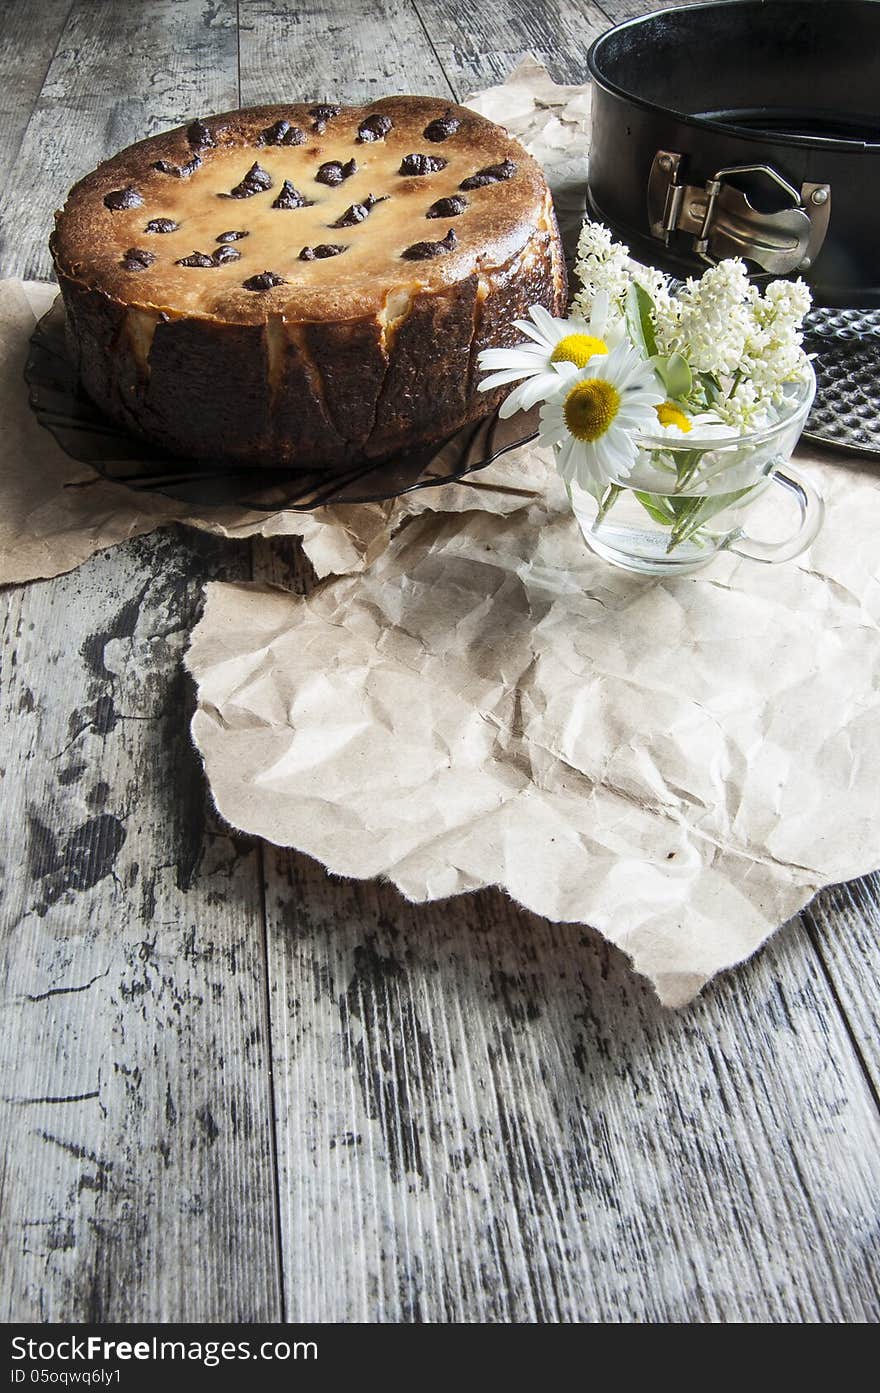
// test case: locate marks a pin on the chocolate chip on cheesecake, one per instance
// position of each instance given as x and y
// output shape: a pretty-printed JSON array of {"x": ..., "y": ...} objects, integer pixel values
[
  {"x": 321, "y": 114},
  {"x": 492, "y": 174},
  {"x": 447, "y": 207},
  {"x": 123, "y": 198},
  {"x": 332, "y": 172},
  {"x": 216, "y": 258},
  {"x": 257, "y": 180},
  {"x": 282, "y": 133},
  {"x": 422, "y": 164},
  {"x": 424, "y": 251},
  {"x": 321, "y": 251},
  {"x": 441, "y": 128},
  {"x": 199, "y": 136},
  {"x": 374, "y": 127},
  {"x": 136, "y": 259},
  {"x": 266, "y": 280},
  {"x": 290, "y": 197},
  {"x": 178, "y": 171},
  {"x": 357, "y": 212}
]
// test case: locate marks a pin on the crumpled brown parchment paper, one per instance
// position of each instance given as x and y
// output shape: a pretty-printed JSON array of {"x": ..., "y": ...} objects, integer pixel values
[{"x": 680, "y": 764}]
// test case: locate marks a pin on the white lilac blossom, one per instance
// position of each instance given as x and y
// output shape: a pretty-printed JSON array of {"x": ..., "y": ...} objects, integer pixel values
[
  {"x": 773, "y": 353},
  {"x": 605, "y": 267},
  {"x": 709, "y": 321},
  {"x": 554, "y": 350}
]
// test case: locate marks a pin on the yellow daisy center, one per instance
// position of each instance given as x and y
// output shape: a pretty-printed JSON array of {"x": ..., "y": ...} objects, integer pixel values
[
  {"x": 590, "y": 408},
  {"x": 578, "y": 349},
  {"x": 670, "y": 415}
]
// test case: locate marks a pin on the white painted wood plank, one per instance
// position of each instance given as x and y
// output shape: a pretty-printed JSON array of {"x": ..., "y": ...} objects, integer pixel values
[
  {"x": 480, "y": 45},
  {"x": 26, "y": 51},
  {"x": 845, "y": 924},
  {"x": 488, "y": 1118},
  {"x": 138, "y": 1176},
  {"x": 308, "y": 52}
]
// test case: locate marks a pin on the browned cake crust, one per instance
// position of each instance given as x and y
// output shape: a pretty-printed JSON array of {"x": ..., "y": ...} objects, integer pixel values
[{"x": 379, "y": 249}]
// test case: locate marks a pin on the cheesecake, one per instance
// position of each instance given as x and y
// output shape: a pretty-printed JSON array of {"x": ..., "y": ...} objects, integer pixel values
[{"x": 305, "y": 285}]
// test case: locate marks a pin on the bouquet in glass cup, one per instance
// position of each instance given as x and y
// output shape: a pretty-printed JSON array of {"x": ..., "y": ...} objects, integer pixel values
[{"x": 670, "y": 410}]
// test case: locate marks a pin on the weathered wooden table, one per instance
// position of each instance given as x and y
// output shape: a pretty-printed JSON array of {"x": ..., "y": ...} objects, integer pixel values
[{"x": 238, "y": 1089}]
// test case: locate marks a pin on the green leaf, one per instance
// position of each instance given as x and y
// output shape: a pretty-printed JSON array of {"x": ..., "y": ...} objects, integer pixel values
[
  {"x": 678, "y": 377},
  {"x": 711, "y": 387},
  {"x": 695, "y": 517},
  {"x": 639, "y": 325},
  {"x": 674, "y": 373},
  {"x": 657, "y": 506},
  {"x": 687, "y": 462}
]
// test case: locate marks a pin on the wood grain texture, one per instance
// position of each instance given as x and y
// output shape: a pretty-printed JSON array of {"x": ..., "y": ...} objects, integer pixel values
[
  {"x": 480, "y": 45},
  {"x": 844, "y": 922},
  {"x": 26, "y": 50},
  {"x": 304, "y": 52},
  {"x": 137, "y": 1174},
  {"x": 489, "y": 1118},
  {"x": 237, "y": 1088},
  {"x": 619, "y": 10}
]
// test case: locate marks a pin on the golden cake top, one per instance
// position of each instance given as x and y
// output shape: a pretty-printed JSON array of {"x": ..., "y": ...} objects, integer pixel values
[{"x": 310, "y": 212}]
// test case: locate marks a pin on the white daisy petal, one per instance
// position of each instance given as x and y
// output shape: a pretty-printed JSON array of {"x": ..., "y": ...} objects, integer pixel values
[
  {"x": 500, "y": 379},
  {"x": 552, "y": 429},
  {"x": 513, "y": 403},
  {"x": 563, "y": 459},
  {"x": 564, "y": 371},
  {"x": 536, "y": 335},
  {"x": 538, "y": 389},
  {"x": 510, "y": 357},
  {"x": 604, "y": 455},
  {"x": 544, "y": 321}
]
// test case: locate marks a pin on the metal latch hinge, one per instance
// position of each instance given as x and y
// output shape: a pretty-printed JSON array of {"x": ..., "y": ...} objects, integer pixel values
[{"x": 724, "y": 222}]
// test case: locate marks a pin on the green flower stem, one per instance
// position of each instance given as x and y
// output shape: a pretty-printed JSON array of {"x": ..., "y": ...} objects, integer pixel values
[
  {"x": 607, "y": 502},
  {"x": 686, "y": 516},
  {"x": 687, "y": 467}
]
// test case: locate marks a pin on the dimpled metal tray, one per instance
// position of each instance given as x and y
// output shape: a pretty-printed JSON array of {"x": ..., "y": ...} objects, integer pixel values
[{"x": 846, "y": 412}]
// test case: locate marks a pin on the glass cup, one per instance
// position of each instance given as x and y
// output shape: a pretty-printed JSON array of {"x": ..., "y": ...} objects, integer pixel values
[{"x": 687, "y": 496}]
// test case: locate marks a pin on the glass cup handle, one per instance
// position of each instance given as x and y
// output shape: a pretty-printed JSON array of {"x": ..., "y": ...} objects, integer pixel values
[{"x": 812, "y": 511}]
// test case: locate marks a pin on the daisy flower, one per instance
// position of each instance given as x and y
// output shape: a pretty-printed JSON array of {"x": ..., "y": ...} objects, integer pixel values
[
  {"x": 677, "y": 423},
  {"x": 555, "y": 349},
  {"x": 593, "y": 417}
]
